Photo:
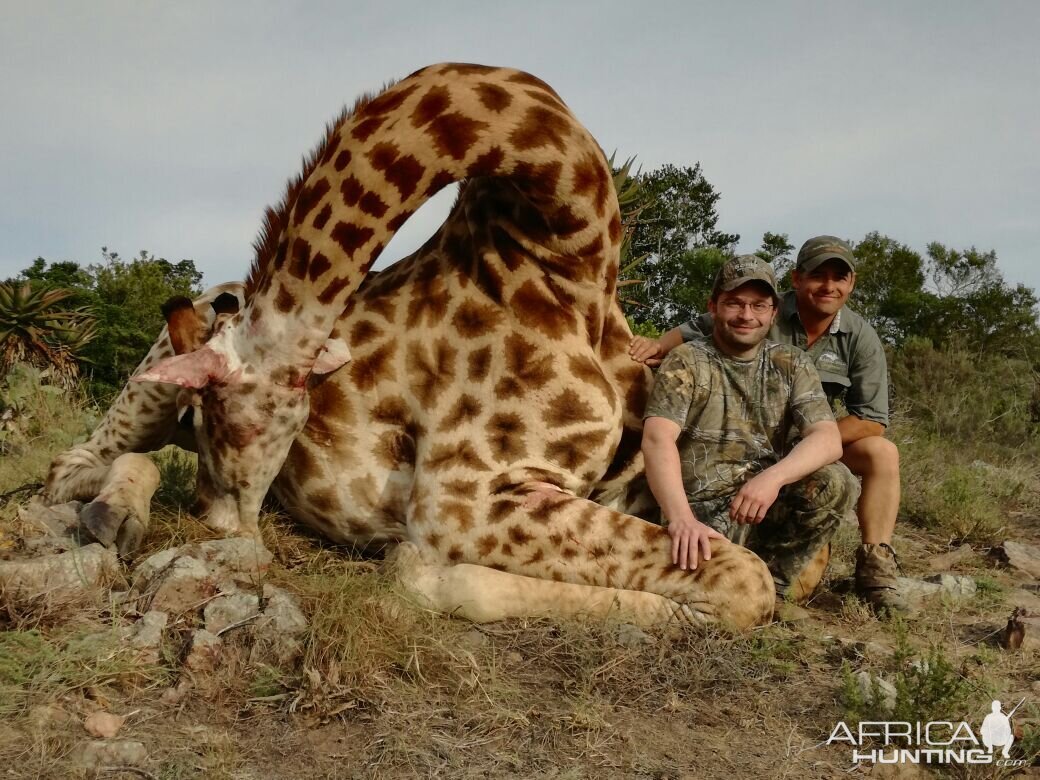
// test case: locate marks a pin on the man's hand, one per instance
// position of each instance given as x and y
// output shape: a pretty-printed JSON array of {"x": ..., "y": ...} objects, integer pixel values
[
  {"x": 754, "y": 499},
  {"x": 644, "y": 350},
  {"x": 691, "y": 540}
]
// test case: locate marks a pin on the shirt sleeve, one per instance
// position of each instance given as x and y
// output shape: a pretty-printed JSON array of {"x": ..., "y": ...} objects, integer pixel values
[
  {"x": 674, "y": 388},
  {"x": 867, "y": 397},
  {"x": 699, "y": 327},
  {"x": 808, "y": 401}
]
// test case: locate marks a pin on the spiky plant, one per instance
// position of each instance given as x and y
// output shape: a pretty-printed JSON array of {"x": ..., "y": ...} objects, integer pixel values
[
  {"x": 38, "y": 327},
  {"x": 633, "y": 200}
]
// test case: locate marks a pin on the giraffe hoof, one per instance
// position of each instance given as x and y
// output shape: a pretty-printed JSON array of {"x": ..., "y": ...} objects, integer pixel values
[{"x": 101, "y": 522}]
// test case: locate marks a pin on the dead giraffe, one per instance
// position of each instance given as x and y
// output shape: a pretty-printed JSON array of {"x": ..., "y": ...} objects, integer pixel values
[{"x": 489, "y": 384}]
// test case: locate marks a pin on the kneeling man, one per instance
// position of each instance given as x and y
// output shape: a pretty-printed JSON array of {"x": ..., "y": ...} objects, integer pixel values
[{"x": 740, "y": 442}]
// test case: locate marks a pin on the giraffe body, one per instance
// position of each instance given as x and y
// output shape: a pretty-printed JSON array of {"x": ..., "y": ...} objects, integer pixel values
[{"x": 483, "y": 390}]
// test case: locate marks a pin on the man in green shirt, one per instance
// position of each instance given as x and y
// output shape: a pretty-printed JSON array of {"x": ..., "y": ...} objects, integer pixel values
[
  {"x": 850, "y": 360},
  {"x": 739, "y": 440}
]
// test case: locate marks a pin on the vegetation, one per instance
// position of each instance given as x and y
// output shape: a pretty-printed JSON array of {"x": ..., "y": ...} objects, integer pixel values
[
  {"x": 38, "y": 328},
  {"x": 124, "y": 298}
]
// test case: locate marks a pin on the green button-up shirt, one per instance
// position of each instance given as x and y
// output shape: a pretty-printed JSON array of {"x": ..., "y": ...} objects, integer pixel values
[{"x": 848, "y": 357}]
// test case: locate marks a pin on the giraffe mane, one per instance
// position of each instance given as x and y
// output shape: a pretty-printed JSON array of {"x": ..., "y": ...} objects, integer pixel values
[{"x": 276, "y": 218}]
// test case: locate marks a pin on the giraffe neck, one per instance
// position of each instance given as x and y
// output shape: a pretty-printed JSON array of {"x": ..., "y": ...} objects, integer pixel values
[{"x": 443, "y": 124}]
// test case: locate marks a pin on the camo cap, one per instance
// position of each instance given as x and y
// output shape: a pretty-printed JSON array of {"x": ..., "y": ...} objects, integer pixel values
[
  {"x": 817, "y": 251},
  {"x": 741, "y": 270}
]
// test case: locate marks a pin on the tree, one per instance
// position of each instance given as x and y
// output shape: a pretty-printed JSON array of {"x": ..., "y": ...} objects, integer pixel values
[
  {"x": 677, "y": 239},
  {"x": 776, "y": 249},
  {"x": 890, "y": 288},
  {"x": 975, "y": 306},
  {"x": 949, "y": 297},
  {"x": 125, "y": 298}
]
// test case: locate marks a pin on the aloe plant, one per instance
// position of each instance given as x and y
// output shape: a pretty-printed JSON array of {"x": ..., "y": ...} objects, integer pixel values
[
  {"x": 38, "y": 327},
  {"x": 633, "y": 200}
]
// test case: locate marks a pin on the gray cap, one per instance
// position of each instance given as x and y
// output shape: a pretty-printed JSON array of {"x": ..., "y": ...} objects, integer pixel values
[
  {"x": 817, "y": 251},
  {"x": 741, "y": 270}
]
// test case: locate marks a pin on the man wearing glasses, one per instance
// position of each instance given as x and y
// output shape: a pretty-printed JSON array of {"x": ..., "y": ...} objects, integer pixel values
[
  {"x": 850, "y": 361},
  {"x": 740, "y": 443}
]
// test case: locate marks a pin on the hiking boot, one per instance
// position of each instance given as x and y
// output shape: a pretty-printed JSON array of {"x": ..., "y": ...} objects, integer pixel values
[{"x": 877, "y": 583}]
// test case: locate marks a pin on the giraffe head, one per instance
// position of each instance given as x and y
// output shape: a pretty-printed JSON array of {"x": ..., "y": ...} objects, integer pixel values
[{"x": 245, "y": 414}]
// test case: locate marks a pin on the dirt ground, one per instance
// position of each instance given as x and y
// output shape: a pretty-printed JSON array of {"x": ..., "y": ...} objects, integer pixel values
[{"x": 386, "y": 690}]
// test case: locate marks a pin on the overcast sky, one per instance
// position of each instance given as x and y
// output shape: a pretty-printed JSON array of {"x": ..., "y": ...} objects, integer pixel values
[{"x": 170, "y": 126}]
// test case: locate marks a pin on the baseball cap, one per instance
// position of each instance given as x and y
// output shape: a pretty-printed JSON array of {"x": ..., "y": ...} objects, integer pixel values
[
  {"x": 741, "y": 270},
  {"x": 817, "y": 251}
]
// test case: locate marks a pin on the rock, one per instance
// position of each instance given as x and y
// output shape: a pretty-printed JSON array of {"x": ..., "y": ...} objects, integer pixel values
[
  {"x": 45, "y": 716},
  {"x": 1022, "y": 557},
  {"x": 230, "y": 609},
  {"x": 885, "y": 690},
  {"x": 786, "y": 612},
  {"x": 103, "y": 725},
  {"x": 98, "y": 755},
  {"x": 854, "y": 649},
  {"x": 177, "y": 693},
  {"x": 473, "y": 640},
  {"x": 238, "y": 555},
  {"x": 205, "y": 652},
  {"x": 956, "y": 586},
  {"x": 58, "y": 521},
  {"x": 181, "y": 586},
  {"x": 633, "y": 637},
  {"x": 947, "y": 561},
  {"x": 182, "y": 578},
  {"x": 146, "y": 635},
  {"x": 952, "y": 586},
  {"x": 278, "y": 633},
  {"x": 915, "y": 590},
  {"x": 81, "y": 572}
]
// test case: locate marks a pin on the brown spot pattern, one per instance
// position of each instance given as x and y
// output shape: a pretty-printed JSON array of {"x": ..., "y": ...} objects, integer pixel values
[
  {"x": 430, "y": 368},
  {"x": 566, "y": 409},
  {"x": 465, "y": 410},
  {"x": 506, "y": 437},
  {"x": 493, "y": 97},
  {"x": 351, "y": 237},
  {"x": 546, "y": 308},
  {"x": 308, "y": 199},
  {"x": 435, "y": 102},
  {"x": 366, "y": 372},
  {"x": 541, "y": 127},
  {"x": 472, "y": 319}
]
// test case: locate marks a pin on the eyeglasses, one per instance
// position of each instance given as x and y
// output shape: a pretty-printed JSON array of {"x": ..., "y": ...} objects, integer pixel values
[{"x": 736, "y": 307}]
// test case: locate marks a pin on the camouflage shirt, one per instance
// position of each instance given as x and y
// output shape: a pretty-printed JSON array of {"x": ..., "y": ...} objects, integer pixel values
[{"x": 738, "y": 417}]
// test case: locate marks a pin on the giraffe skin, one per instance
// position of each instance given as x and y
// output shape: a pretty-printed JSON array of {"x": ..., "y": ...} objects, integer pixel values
[{"x": 468, "y": 401}]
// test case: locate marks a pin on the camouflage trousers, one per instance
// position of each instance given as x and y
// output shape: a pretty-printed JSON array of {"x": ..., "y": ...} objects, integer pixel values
[{"x": 801, "y": 521}]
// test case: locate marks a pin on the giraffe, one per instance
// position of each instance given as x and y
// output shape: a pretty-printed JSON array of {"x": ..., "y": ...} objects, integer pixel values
[{"x": 470, "y": 400}]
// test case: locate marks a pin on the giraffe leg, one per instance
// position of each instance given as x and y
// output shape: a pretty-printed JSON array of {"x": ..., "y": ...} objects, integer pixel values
[
  {"x": 483, "y": 595},
  {"x": 546, "y": 534},
  {"x": 75, "y": 475},
  {"x": 120, "y": 513}
]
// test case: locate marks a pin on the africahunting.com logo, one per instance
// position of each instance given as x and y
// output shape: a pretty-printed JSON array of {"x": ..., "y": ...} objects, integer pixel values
[{"x": 935, "y": 742}]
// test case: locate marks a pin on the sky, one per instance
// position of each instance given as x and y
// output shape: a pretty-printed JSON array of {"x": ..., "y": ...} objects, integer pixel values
[{"x": 168, "y": 127}]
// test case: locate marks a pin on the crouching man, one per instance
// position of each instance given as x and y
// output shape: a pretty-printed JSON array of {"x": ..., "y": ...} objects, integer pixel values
[{"x": 740, "y": 442}]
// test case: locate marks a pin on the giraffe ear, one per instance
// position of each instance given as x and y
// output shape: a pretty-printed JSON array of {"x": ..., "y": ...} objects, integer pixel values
[
  {"x": 187, "y": 330},
  {"x": 334, "y": 354},
  {"x": 192, "y": 369}
]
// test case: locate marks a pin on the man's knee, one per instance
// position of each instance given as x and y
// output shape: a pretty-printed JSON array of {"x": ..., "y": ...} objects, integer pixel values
[
  {"x": 831, "y": 487},
  {"x": 872, "y": 455}
]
